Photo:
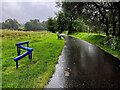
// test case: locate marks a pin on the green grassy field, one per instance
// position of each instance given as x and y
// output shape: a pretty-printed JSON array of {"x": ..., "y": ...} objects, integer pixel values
[
  {"x": 21, "y": 27},
  {"x": 96, "y": 39},
  {"x": 30, "y": 74}
]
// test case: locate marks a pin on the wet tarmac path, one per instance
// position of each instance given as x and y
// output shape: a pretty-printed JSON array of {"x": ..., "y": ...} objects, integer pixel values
[{"x": 83, "y": 65}]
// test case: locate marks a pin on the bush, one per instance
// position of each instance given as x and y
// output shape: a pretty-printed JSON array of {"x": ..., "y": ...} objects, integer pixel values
[{"x": 114, "y": 43}]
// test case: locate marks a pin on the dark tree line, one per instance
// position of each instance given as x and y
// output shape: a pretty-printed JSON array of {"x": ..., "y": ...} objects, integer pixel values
[
  {"x": 64, "y": 22},
  {"x": 102, "y": 16},
  {"x": 10, "y": 24},
  {"x": 35, "y": 25},
  {"x": 30, "y": 25}
]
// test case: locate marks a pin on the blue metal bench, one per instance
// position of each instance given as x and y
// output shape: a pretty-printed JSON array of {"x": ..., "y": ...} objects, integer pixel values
[{"x": 29, "y": 52}]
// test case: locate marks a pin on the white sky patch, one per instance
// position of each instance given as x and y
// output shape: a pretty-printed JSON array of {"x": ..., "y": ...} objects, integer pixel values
[
  {"x": 24, "y": 11},
  {"x": 28, "y": 0}
]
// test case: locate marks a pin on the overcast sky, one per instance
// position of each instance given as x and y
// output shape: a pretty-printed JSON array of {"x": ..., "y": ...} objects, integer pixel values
[{"x": 24, "y": 11}]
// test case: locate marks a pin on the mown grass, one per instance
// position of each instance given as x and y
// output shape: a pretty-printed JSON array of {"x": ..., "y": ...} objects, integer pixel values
[
  {"x": 97, "y": 40},
  {"x": 30, "y": 74},
  {"x": 21, "y": 27}
]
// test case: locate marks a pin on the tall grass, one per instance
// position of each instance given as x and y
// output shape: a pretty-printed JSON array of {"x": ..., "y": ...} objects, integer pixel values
[{"x": 30, "y": 74}]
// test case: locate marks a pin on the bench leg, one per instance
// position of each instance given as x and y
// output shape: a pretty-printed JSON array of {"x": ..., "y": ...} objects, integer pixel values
[{"x": 17, "y": 64}]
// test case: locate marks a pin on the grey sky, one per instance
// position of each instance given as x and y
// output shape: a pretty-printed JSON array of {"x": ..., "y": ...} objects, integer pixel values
[{"x": 24, "y": 11}]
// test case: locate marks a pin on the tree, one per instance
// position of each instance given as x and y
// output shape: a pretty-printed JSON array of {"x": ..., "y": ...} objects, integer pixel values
[
  {"x": 69, "y": 9},
  {"x": 93, "y": 12},
  {"x": 61, "y": 21},
  {"x": 0, "y": 25},
  {"x": 10, "y": 24},
  {"x": 79, "y": 25},
  {"x": 44, "y": 23},
  {"x": 34, "y": 25},
  {"x": 50, "y": 25},
  {"x": 117, "y": 5},
  {"x": 110, "y": 12}
]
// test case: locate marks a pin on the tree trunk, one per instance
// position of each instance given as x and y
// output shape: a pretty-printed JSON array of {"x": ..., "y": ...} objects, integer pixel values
[
  {"x": 119, "y": 24},
  {"x": 114, "y": 26},
  {"x": 118, "y": 6},
  {"x": 69, "y": 29},
  {"x": 107, "y": 27},
  {"x": 70, "y": 26},
  {"x": 104, "y": 16}
]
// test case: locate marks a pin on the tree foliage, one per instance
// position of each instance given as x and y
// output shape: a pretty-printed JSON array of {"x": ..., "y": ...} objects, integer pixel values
[
  {"x": 51, "y": 25},
  {"x": 61, "y": 22},
  {"x": 10, "y": 24},
  {"x": 79, "y": 25},
  {"x": 98, "y": 15},
  {"x": 34, "y": 25}
]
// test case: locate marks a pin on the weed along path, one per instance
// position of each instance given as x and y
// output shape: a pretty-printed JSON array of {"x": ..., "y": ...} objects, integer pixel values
[{"x": 84, "y": 65}]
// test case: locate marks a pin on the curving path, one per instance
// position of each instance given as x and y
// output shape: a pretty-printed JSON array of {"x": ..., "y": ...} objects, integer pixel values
[{"x": 84, "y": 65}]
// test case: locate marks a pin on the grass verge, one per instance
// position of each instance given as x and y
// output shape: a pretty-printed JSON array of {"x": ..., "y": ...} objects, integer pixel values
[
  {"x": 96, "y": 40},
  {"x": 30, "y": 74}
]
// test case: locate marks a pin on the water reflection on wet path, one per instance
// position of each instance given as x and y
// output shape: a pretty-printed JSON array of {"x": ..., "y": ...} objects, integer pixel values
[{"x": 84, "y": 65}]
